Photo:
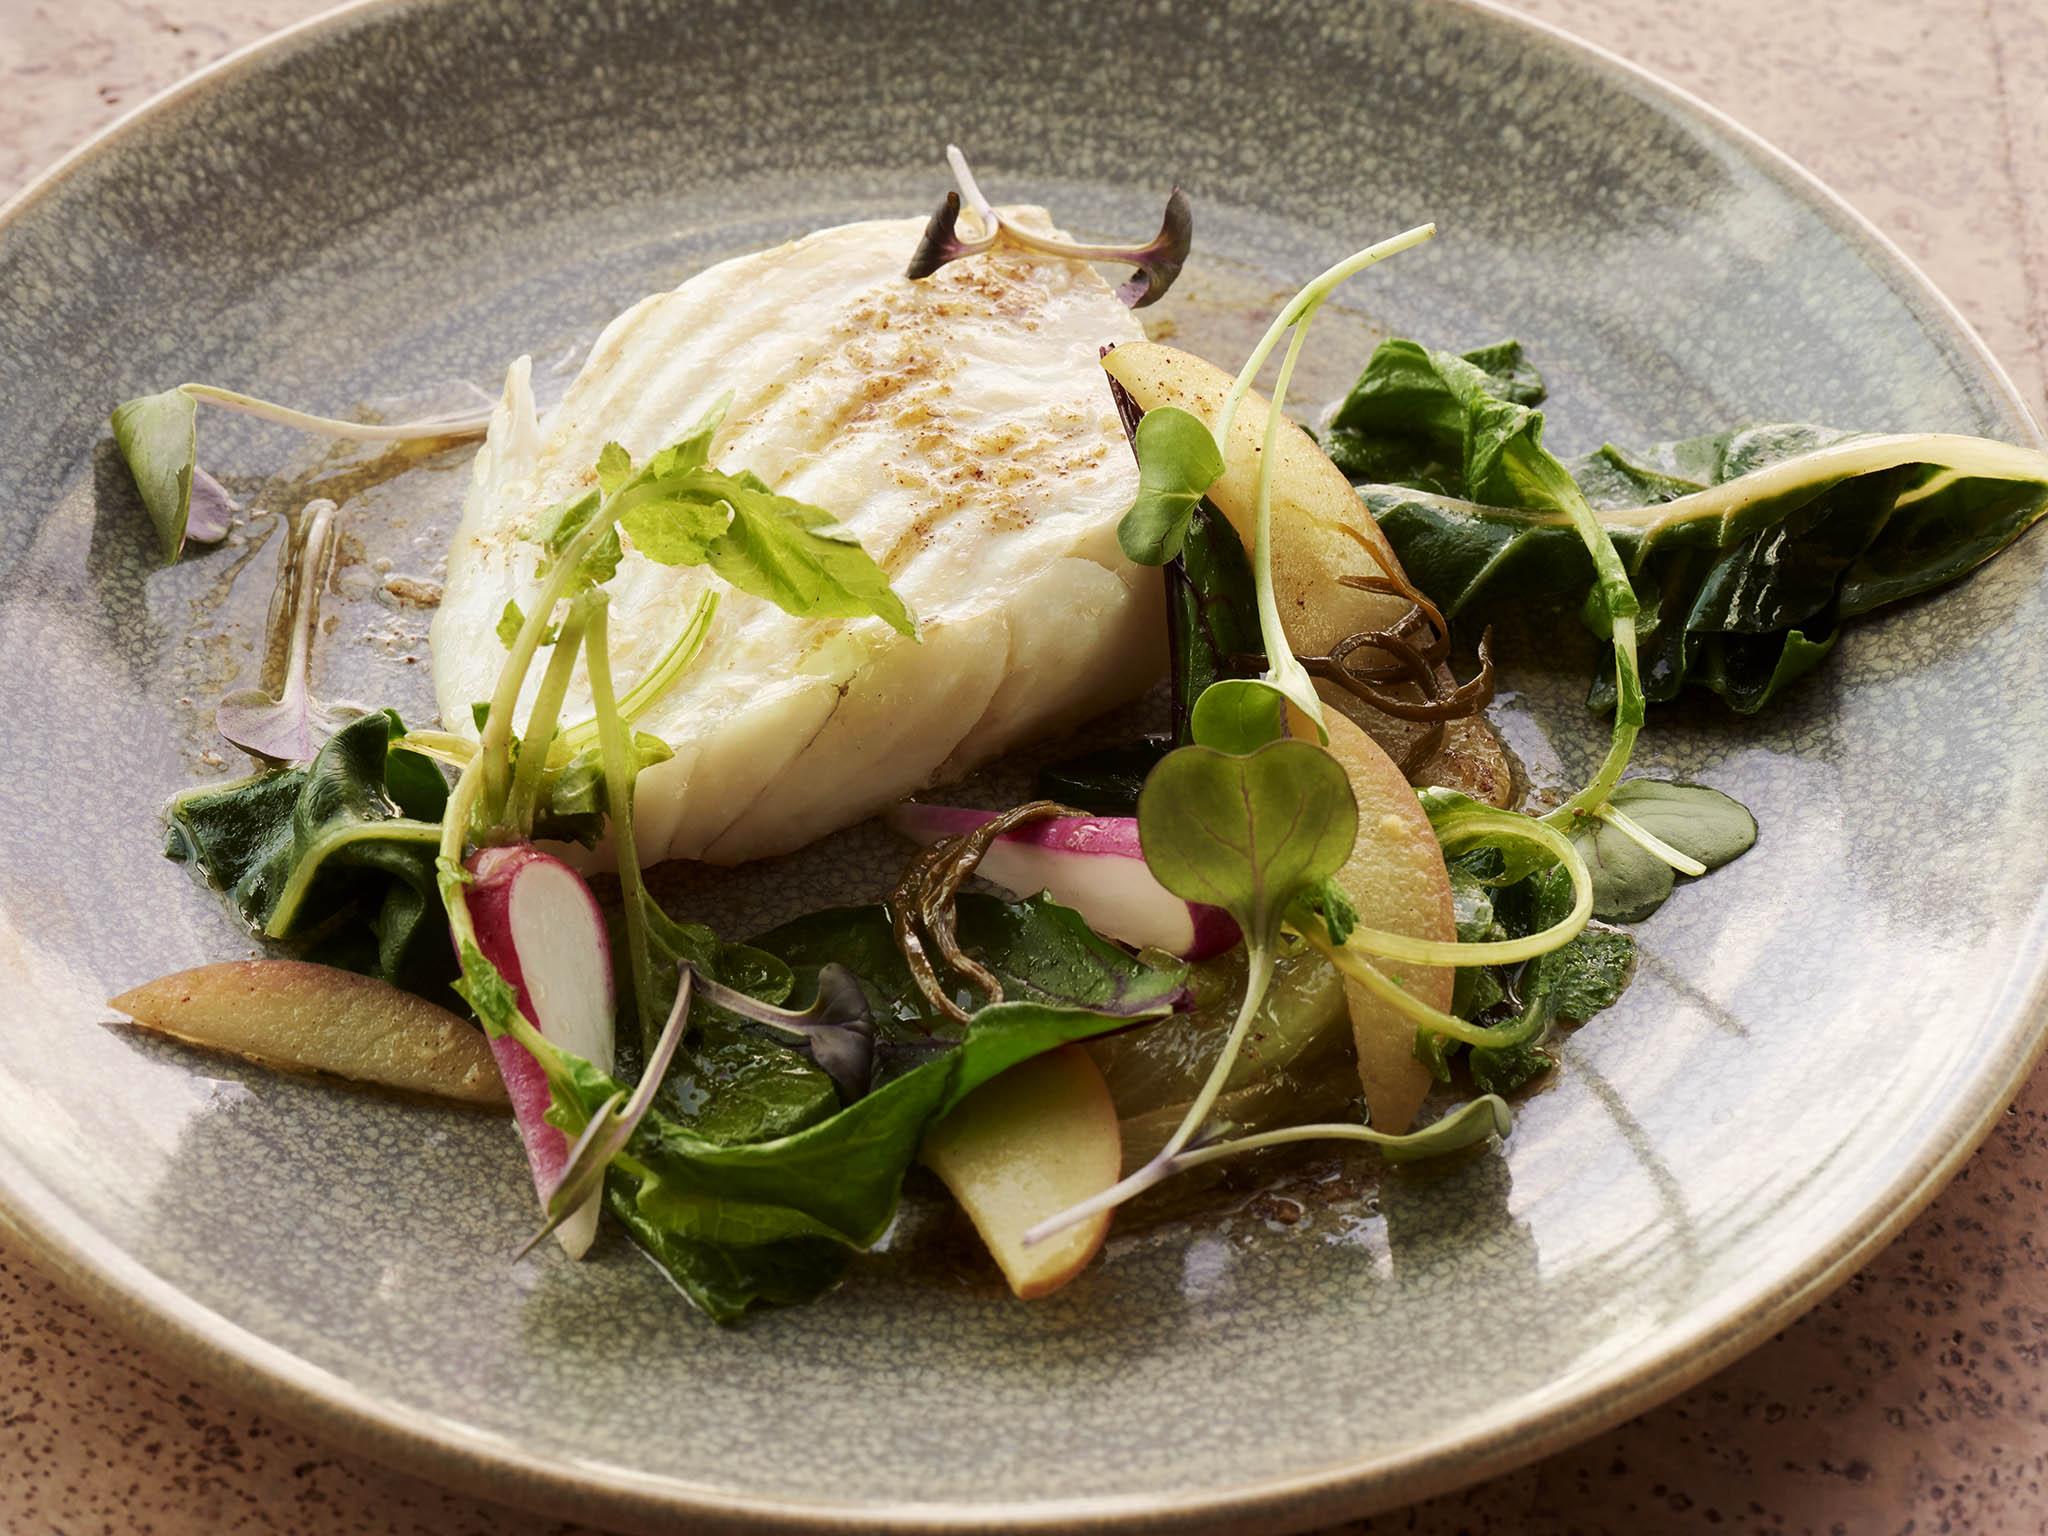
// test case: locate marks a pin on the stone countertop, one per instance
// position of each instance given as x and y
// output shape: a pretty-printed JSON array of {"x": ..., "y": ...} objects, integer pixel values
[{"x": 1912, "y": 1400}]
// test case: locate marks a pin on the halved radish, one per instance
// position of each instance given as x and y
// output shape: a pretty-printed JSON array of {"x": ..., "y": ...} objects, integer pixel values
[
  {"x": 537, "y": 922},
  {"x": 1090, "y": 863}
]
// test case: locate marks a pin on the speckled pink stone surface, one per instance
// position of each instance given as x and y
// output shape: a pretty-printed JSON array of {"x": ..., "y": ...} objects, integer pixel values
[{"x": 1913, "y": 1400}]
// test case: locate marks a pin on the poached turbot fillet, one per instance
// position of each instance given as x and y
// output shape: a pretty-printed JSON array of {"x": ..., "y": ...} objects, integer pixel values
[{"x": 960, "y": 426}]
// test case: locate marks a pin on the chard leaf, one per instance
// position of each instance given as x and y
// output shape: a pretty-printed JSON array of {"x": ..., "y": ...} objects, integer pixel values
[
  {"x": 1248, "y": 834},
  {"x": 1105, "y": 782},
  {"x": 158, "y": 437},
  {"x": 290, "y": 727},
  {"x": 1178, "y": 461},
  {"x": 1747, "y": 549},
  {"x": 343, "y": 847}
]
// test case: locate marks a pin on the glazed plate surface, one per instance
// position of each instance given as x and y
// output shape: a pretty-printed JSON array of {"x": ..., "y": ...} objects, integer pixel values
[{"x": 392, "y": 203}]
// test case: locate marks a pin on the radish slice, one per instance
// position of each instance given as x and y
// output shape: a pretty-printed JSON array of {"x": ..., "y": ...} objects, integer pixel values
[
  {"x": 1090, "y": 863},
  {"x": 537, "y": 922}
]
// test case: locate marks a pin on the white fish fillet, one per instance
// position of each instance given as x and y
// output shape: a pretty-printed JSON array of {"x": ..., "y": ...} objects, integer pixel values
[{"x": 960, "y": 426}]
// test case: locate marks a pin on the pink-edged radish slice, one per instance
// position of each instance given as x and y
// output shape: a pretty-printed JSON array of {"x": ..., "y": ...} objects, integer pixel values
[
  {"x": 537, "y": 922},
  {"x": 1090, "y": 863}
]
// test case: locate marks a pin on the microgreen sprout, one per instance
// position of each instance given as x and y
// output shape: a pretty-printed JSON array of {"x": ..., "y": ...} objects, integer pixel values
[
  {"x": 158, "y": 437},
  {"x": 1158, "y": 260}
]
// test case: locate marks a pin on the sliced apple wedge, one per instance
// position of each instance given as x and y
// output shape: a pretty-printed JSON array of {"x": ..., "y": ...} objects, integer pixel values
[
  {"x": 314, "y": 1018},
  {"x": 1029, "y": 1144},
  {"x": 1396, "y": 879}
]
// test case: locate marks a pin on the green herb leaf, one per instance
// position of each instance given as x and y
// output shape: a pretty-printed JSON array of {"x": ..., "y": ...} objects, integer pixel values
[
  {"x": 614, "y": 468},
  {"x": 672, "y": 531},
  {"x": 1468, "y": 1125},
  {"x": 1629, "y": 881},
  {"x": 801, "y": 559},
  {"x": 158, "y": 438},
  {"x": 1247, "y": 834},
  {"x": 1239, "y": 715},
  {"x": 1178, "y": 460}
]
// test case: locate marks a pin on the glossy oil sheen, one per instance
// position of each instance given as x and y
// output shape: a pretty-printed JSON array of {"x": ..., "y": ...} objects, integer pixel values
[{"x": 410, "y": 195}]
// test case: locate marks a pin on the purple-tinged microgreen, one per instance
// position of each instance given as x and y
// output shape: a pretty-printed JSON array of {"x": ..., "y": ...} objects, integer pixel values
[
  {"x": 290, "y": 727},
  {"x": 1158, "y": 260},
  {"x": 159, "y": 439},
  {"x": 837, "y": 1029}
]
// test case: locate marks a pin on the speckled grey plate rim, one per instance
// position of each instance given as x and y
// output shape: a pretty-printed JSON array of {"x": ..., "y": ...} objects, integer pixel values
[{"x": 155, "y": 1312}]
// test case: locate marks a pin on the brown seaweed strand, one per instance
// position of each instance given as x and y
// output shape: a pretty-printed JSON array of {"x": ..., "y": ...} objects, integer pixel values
[{"x": 927, "y": 896}]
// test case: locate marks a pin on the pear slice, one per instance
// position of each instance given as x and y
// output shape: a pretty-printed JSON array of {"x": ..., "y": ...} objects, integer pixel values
[
  {"x": 1396, "y": 879},
  {"x": 313, "y": 1018},
  {"x": 1027, "y": 1145},
  {"x": 1321, "y": 532}
]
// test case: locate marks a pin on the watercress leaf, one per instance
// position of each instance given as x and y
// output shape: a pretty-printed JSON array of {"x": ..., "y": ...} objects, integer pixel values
[
  {"x": 1571, "y": 983},
  {"x": 158, "y": 438},
  {"x": 674, "y": 530},
  {"x": 573, "y": 804},
  {"x": 1178, "y": 460},
  {"x": 614, "y": 468},
  {"x": 801, "y": 559},
  {"x": 1212, "y": 616},
  {"x": 1336, "y": 911},
  {"x": 485, "y": 989},
  {"x": 1700, "y": 822},
  {"x": 1239, "y": 715},
  {"x": 1248, "y": 834},
  {"x": 555, "y": 528},
  {"x": 693, "y": 449},
  {"x": 1629, "y": 882}
]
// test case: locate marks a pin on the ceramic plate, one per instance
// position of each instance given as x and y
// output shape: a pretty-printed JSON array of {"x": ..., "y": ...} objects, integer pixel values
[{"x": 388, "y": 202}]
